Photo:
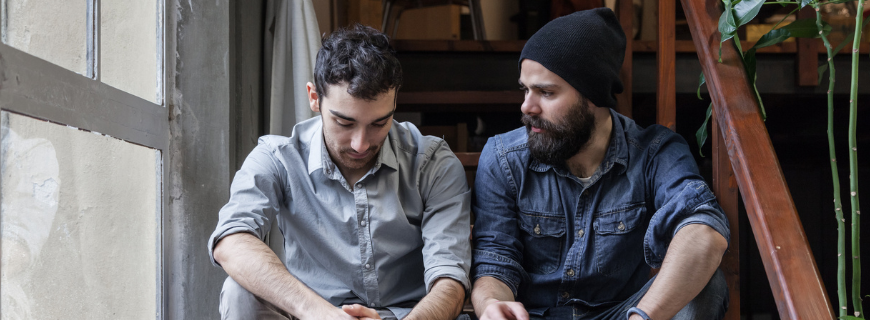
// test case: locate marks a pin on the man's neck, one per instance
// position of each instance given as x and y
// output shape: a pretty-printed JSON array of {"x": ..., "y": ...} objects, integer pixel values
[{"x": 584, "y": 163}]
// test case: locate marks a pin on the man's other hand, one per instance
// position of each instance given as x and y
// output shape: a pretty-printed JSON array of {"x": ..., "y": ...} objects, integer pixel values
[
  {"x": 500, "y": 310},
  {"x": 360, "y": 312}
]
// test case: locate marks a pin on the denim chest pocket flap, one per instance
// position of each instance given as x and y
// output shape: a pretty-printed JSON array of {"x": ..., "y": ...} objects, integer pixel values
[
  {"x": 543, "y": 237},
  {"x": 619, "y": 221}
]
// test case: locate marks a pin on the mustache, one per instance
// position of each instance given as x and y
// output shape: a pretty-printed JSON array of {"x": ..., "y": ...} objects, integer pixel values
[
  {"x": 351, "y": 150},
  {"x": 538, "y": 122}
]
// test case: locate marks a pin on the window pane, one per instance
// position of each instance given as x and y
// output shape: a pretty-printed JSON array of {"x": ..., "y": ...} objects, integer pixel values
[
  {"x": 79, "y": 224},
  {"x": 54, "y": 30},
  {"x": 128, "y": 41}
]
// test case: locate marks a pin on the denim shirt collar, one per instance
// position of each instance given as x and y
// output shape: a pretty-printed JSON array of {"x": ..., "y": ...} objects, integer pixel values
[
  {"x": 617, "y": 153},
  {"x": 318, "y": 156}
]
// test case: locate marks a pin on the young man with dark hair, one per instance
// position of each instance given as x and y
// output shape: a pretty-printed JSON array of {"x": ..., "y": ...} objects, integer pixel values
[
  {"x": 374, "y": 215},
  {"x": 573, "y": 210}
]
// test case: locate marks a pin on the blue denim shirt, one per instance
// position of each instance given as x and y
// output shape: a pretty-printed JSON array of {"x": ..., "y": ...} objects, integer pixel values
[{"x": 555, "y": 242}]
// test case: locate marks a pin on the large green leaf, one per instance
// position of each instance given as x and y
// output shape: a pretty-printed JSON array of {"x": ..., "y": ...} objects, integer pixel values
[
  {"x": 803, "y": 28},
  {"x": 701, "y": 134},
  {"x": 727, "y": 24},
  {"x": 746, "y": 10}
]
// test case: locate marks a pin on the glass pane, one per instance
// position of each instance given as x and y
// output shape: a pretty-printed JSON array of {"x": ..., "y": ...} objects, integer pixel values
[
  {"x": 78, "y": 224},
  {"x": 54, "y": 30},
  {"x": 128, "y": 46}
]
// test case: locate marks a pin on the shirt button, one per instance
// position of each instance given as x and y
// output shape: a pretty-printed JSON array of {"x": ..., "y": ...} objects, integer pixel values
[
  {"x": 362, "y": 223},
  {"x": 621, "y": 226},
  {"x": 565, "y": 294},
  {"x": 368, "y": 266},
  {"x": 586, "y": 193},
  {"x": 581, "y": 232},
  {"x": 570, "y": 272},
  {"x": 359, "y": 185},
  {"x": 538, "y": 229}
]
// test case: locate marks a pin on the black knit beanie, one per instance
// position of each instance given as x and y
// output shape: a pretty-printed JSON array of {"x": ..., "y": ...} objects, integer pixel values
[{"x": 586, "y": 48}]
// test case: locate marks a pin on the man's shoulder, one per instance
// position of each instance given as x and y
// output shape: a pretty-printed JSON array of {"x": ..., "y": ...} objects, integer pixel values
[
  {"x": 646, "y": 138},
  {"x": 511, "y": 141},
  {"x": 407, "y": 141}
]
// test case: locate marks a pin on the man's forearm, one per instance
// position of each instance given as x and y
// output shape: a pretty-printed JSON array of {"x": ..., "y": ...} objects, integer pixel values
[
  {"x": 488, "y": 290},
  {"x": 444, "y": 301},
  {"x": 252, "y": 264},
  {"x": 692, "y": 258}
]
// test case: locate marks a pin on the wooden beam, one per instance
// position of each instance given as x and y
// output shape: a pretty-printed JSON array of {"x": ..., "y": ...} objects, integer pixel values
[
  {"x": 791, "y": 269},
  {"x": 725, "y": 188},
  {"x": 807, "y": 54},
  {"x": 666, "y": 90},
  {"x": 623, "y": 100}
]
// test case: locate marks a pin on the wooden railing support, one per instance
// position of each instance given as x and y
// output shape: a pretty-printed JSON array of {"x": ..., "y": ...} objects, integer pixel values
[
  {"x": 666, "y": 91},
  {"x": 791, "y": 269},
  {"x": 725, "y": 188},
  {"x": 623, "y": 100}
]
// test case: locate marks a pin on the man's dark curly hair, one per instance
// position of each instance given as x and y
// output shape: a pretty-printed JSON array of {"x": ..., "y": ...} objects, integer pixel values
[{"x": 361, "y": 57}]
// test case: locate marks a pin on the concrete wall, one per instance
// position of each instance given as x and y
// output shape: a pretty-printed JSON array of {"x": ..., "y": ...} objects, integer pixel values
[
  {"x": 62, "y": 39},
  {"x": 80, "y": 224},
  {"x": 128, "y": 46},
  {"x": 198, "y": 97}
]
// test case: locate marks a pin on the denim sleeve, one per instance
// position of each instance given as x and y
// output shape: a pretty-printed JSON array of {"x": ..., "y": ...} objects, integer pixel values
[
  {"x": 497, "y": 247},
  {"x": 446, "y": 217},
  {"x": 680, "y": 194},
  {"x": 255, "y": 197}
]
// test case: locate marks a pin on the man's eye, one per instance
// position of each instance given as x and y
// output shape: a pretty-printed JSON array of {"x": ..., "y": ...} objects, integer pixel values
[
  {"x": 524, "y": 89},
  {"x": 380, "y": 125},
  {"x": 344, "y": 124},
  {"x": 546, "y": 93}
]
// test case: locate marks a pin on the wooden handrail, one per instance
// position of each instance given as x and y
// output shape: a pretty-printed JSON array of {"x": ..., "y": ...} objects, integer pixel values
[{"x": 792, "y": 271}]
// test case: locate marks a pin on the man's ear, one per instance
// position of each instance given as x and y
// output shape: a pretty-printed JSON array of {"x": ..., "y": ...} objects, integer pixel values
[{"x": 312, "y": 97}]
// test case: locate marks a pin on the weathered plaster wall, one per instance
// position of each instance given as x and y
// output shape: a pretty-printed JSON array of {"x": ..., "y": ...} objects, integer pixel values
[
  {"x": 61, "y": 39},
  {"x": 79, "y": 216},
  {"x": 198, "y": 97},
  {"x": 128, "y": 46}
]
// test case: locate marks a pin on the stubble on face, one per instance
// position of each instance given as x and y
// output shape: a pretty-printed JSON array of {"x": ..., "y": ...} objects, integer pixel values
[
  {"x": 563, "y": 139},
  {"x": 341, "y": 155}
]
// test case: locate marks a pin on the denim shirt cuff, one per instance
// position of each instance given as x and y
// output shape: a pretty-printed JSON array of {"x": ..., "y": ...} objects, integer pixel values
[{"x": 506, "y": 270}]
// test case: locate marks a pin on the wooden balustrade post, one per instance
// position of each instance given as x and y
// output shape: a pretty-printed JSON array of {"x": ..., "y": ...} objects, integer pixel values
[
  {"x": 623, "y": 100},
  {"x": 725, "y": 188},
  {"x": 666, "y": 90}
]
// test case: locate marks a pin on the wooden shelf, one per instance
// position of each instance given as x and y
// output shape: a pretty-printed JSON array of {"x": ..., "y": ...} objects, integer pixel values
[{"x": 516, "y": 46}]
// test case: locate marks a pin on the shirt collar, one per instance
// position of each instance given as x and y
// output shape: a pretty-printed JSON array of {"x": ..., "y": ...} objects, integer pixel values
[
  {"x": 617, "y": 153},
  {"x": 318, "y": 156}
]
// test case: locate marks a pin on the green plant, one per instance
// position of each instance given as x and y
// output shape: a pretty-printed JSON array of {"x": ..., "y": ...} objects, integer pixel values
[{"x": 740, "y": 12}]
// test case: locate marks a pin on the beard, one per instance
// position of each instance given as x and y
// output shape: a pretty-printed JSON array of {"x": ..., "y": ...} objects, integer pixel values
[
  {"x": 560, "y": 141},
  {"x": 341, "y": 158}
]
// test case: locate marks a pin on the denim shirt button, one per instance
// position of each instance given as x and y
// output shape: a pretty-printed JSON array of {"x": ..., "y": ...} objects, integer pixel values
[
  {"x": 362, "y": 223},
  {"x": 570, "y": 272},
  {"x": 581, "y": 232},
  {"x": 368, "y": 266},
  {"x": 537, "y": 229},
  {"x": 621, "y": 226},
  {"x": 565, "y": 294}
]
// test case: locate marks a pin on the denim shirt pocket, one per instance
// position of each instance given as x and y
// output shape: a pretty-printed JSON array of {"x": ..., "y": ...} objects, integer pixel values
[
  {"x": 619, "y": 239},
  {"x": 542, "y": 236}
]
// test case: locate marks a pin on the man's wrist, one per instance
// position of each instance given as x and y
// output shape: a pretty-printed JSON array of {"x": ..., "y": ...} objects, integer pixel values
[{"x": 637, "y": 311}]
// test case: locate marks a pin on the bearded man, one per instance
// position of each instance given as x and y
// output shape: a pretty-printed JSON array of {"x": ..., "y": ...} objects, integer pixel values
[{"x": 574, "y": 210}]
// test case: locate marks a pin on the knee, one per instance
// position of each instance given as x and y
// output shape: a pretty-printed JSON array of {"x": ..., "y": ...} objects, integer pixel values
[
  {"x": 236, "y": 300},
  {"x": 710, "y": 303}
]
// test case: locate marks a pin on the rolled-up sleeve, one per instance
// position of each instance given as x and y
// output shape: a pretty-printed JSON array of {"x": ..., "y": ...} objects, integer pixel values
[
  {"x": 446, "y": 217},
  {"x": 682, "y": 197},
  {"x": 255, "y": 196},
  {"x": 497, "y": 248}
]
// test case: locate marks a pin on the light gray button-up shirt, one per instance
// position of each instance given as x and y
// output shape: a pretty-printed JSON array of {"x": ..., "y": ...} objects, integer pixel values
[{"x": 382, "y": 243}]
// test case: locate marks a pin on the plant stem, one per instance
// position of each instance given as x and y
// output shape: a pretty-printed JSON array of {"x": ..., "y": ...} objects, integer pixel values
[
  {"x": 842, "y": 297},
  {"x": 853, "y": 166}
]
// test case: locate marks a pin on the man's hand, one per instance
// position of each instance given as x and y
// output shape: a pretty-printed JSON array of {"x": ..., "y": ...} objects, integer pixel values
[
  {"x": 501, "y": 310},
  {"x": 361, "y": 312}
]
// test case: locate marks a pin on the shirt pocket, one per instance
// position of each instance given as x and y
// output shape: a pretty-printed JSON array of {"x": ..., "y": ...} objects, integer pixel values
[
  {"x": 542, "y": 236},
  {"x": 619, "y": 239}
]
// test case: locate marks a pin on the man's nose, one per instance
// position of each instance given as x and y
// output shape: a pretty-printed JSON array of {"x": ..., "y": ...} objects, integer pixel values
[
  {"x": 530, "y": 106},
  {"x": 359, "y": 143}
]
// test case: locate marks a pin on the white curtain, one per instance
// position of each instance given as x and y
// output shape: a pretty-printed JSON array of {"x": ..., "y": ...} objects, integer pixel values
[{"x": 292, "y": 39}]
